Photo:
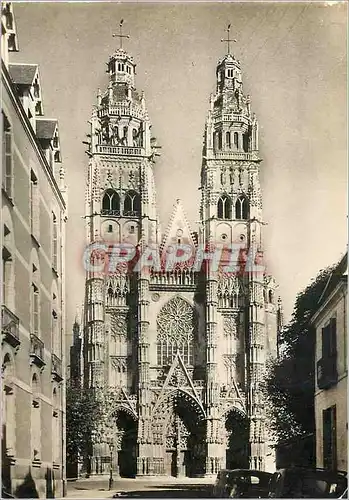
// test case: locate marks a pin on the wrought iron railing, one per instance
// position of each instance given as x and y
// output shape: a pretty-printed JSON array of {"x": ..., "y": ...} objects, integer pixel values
[
  {"x": 56, "y": 368},
  {"x": 327, "y": 374},
  {"x": 37, "y": 350},
  {"x": 9, "y": 327}
]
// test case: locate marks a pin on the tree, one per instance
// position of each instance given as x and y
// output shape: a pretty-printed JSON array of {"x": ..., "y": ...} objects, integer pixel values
[
  {"x": 83, "y": 413},
  {"x": 290, "y": 379}
]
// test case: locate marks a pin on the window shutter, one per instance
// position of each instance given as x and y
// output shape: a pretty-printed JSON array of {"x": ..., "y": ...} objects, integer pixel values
[
  {"x": 326, "y": 341},
  {"x": 35, "y": 311},
  {"x": 8, "y": 163},
  {"x": 54, "y": 242},
  {"x": 333, "y": 337}
]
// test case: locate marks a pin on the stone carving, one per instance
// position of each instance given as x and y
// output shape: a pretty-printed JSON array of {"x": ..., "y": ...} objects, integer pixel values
[
  {"x": 230, "y": 360},
  {"x": 230, "y": 327},
  {"x": 229, "y": 291},
  {"x": 170, "y": 442},
  {"x": 118, "y": 325},
  {"x": 119, "y": 363},
  {"x": 178, "y": 378}
]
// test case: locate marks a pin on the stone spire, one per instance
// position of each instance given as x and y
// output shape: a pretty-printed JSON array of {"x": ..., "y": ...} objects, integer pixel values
[{"x": 231, "y": 129}]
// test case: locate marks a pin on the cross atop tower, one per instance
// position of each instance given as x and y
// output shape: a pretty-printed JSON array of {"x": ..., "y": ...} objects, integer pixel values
[
  {"x": 228, "y": 39},
  {"x": 120, "y": 35}
]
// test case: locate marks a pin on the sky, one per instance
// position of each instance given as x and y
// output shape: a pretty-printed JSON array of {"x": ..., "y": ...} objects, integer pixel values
[{"x": 293, "y": 58}]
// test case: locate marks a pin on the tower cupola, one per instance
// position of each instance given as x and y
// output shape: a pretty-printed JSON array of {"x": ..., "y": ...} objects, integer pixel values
[
  {"x": 120, "y": 124},
  {"x": 121, "y": 68},
  {"x": 228, "y": 74},
  {"x": 231, "y": 128}
]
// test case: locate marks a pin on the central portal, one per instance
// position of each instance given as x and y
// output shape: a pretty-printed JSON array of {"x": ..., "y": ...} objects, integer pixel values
[{"x": 183, "y": 435}]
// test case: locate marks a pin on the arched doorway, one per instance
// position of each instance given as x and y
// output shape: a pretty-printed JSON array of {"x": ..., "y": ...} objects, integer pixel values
[
  {"x": 183, "y": 432},
  {"x": 125, "y": 443},
  {"x": 237, "y": 440}
]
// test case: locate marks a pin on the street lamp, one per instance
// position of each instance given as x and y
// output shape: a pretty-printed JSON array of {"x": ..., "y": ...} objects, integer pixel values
[{"x": 111, "y": 447}]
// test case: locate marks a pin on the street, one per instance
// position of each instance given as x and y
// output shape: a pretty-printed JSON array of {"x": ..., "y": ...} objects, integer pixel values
[{"x": 140, "y": 488}]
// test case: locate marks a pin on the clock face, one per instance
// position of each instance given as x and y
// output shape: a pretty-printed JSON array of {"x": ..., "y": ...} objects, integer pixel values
[{"x": 179, "y": 232}]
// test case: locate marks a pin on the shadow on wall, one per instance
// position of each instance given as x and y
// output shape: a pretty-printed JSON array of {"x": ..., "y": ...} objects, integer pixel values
[
  {"x": 50, "y": 484},
  {"x": 27, "y": 489},
  {"x": 5, "y": 464}
]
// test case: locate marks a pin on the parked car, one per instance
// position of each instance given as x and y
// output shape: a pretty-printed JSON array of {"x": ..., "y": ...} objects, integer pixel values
[
  {"x": 299, "y": 482},
  {"x": 241, "y": 483},
  {"x": 5, "y": 493},
  {"x": 344, "y": 494}
]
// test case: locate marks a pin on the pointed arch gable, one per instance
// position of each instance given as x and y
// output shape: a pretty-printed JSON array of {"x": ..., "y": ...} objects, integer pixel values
[
  {"x": 165, "y": 405},
  {"x": 231, "y": 411},
  {"x": 122, "y": 407}
]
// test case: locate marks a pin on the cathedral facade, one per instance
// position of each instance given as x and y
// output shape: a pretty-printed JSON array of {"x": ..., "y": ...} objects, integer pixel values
[{"x": 176, "y": 351}]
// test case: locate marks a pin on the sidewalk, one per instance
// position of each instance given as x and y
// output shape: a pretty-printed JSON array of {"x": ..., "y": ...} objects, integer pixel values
[{"x": 98, "y": 487}]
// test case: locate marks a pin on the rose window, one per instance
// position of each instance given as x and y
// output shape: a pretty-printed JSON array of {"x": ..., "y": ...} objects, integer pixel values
[{"x": 176, "y": 324}]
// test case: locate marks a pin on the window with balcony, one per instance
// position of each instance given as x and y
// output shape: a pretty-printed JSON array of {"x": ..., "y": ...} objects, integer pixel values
[
  {"x": 35, "y": 419},
  {"x": 7, "y": 269},
  {"x": 327, "y": 374},
  {"x": 34, "y": 205},
  {"x": 35, "y": 309},
  {"x": 8, "y": 407},
  {"x": 7, "y": 164},
  {"x": 55, "y": 427},
  {"x": 55, "y": 327},
  {"x": 329, "y": 438},
  {"x": 54, "y": 242}
]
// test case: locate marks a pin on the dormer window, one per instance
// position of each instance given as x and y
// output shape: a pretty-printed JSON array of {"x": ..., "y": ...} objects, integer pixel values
[
  {"x": 57, "y": 157},
  {"x": 38, "y": 109},
  {"x": 36, "y": 89},
  {"x": 9, "y": 21},
  {"x": 55, "y": 141}
]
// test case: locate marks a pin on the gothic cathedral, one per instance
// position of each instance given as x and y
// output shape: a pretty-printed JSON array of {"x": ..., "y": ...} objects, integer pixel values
[{"x": 176, "y": 355}]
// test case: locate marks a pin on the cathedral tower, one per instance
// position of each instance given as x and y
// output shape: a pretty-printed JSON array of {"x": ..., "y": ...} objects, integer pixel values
[
  {"x": 120, "y": 209},
  {"x": 240, "y": 304}
]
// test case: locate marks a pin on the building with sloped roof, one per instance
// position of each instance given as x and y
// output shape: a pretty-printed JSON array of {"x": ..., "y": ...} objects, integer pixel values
[
  {"x": 331, "y": 368},
  {"x": 33, "y": 219}
]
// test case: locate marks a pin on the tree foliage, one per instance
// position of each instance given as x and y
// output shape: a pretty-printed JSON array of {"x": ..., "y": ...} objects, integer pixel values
[
  {"x": 83, "y": 412},
  {"x": 290, "y": 380}
]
